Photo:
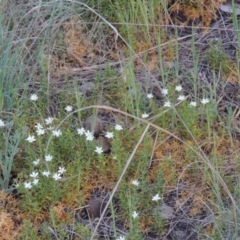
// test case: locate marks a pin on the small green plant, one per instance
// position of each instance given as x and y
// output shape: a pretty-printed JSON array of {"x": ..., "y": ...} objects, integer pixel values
[
  {"x": 10, "y": 140},
  {"x": 29, "y": 231},
  {"x": 217, "y": 59}
]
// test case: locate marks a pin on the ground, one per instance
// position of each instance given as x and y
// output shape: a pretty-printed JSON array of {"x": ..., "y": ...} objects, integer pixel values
[{"x": 169, "y": 170}]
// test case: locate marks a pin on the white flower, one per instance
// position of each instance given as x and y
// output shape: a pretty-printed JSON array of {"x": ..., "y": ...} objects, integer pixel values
[
  {"x": 182, "y": 98},
  {"x": 34, "y": 97},
  {"x": 81, "y": 131},
  {"x": 40, "y": 131},
  {"x": 68, "y": 108},
  {"x": 165, "y": 91},
  {"x": 57, "y": 176},
  {"x": 99, "y": 150},
  {"x": 27, "y": 185},
  {"x": 61, "y": 170},
  {"x": 205, "y": 101},
  {"x": 36, "y": 162},
  {"x": 2, "y": 124},
  {"x": 34, "y": 174},
  {"x": 135, "y": 182},
  {"x": 39, "y": 126},
  {"x": 48, "y": 158},
  {"x": 118, "y": 127},
  {"x": 145, "y": 115},
  {"x": 135, "y": 214},
  {"x": 31, "y": 138},
  {"x": 193, "y": 104},
  {"x": 89, "y": 136},
  {"x": 46, "y": 173},
  {"x": 56, "y": 133},
  {"x": 109, "y": 135},
  {"x": 178, "y": 88},
  {"x": 156, "y": 197},
  {"x": 35, "y": 181},
  {"x": 49, "y": 120},
  {"x": 121, "y": 238},
  {"x": 149, "y": 95},
  {"x": 167, "y": 104}
]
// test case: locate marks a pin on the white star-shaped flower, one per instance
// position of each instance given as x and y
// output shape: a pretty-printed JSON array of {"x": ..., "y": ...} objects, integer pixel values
[
  {"x": 34, "y": 97},
  {"x": 99, "y": 150},
  {"x": 89, "y": 136},
  {"x": 149, "y": 95},
  {"x": 35, "y": 181},
  {"x": 57, "y": 176},
  {"x": 68, "y": 108},
  {"x": 121, "y": 238},
  {"x": 46, "y": 173},
  {"x": 182, "y": 98},
  {"x": 34, "y": 174},
  {"x": 135, "y": 182},
  {"x": 36, "y": 162},
  {"x": 27, "y": 185},
  {"x": 49, "y": 120},
  {"x": 57, "y": 133},
  {"x": 48, "y": 158},
  {"x": 178, "y": 88},
  {"x": 40, "y": 131},
  {"x": 134, "y": 214},
  {"x": 165, "y": 91},
  {"x": 39, "y": 126},
  {"x": 31, "y": 138},
  {"x": 145, "y": 115},
  {"x": 81, "y": 131},
  {"x": 193, "y": 104},
  {"x": 109, "y": 135},
  {"x": 167, "y": 104},
  {"x": 2, "y": 124},
  {"x": 205, "y": 101},
  {"x": 61, "y": 170},
  {"x": 118, "y": 127},
  {"x": 156, "y": 198}
]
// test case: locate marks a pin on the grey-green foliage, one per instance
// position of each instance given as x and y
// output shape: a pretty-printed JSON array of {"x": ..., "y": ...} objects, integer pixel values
[
  {"x": 29, "y": 32},
  {"x": 217, "y": 59},
  {"x": 8, "y": 150},
  {"x": 11, "y": 73}
]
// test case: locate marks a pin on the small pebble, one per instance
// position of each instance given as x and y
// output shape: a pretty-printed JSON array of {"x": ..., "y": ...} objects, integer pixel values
[
  {"x": 87, "y": 87},
  {"x": 95, "y": 207}
]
